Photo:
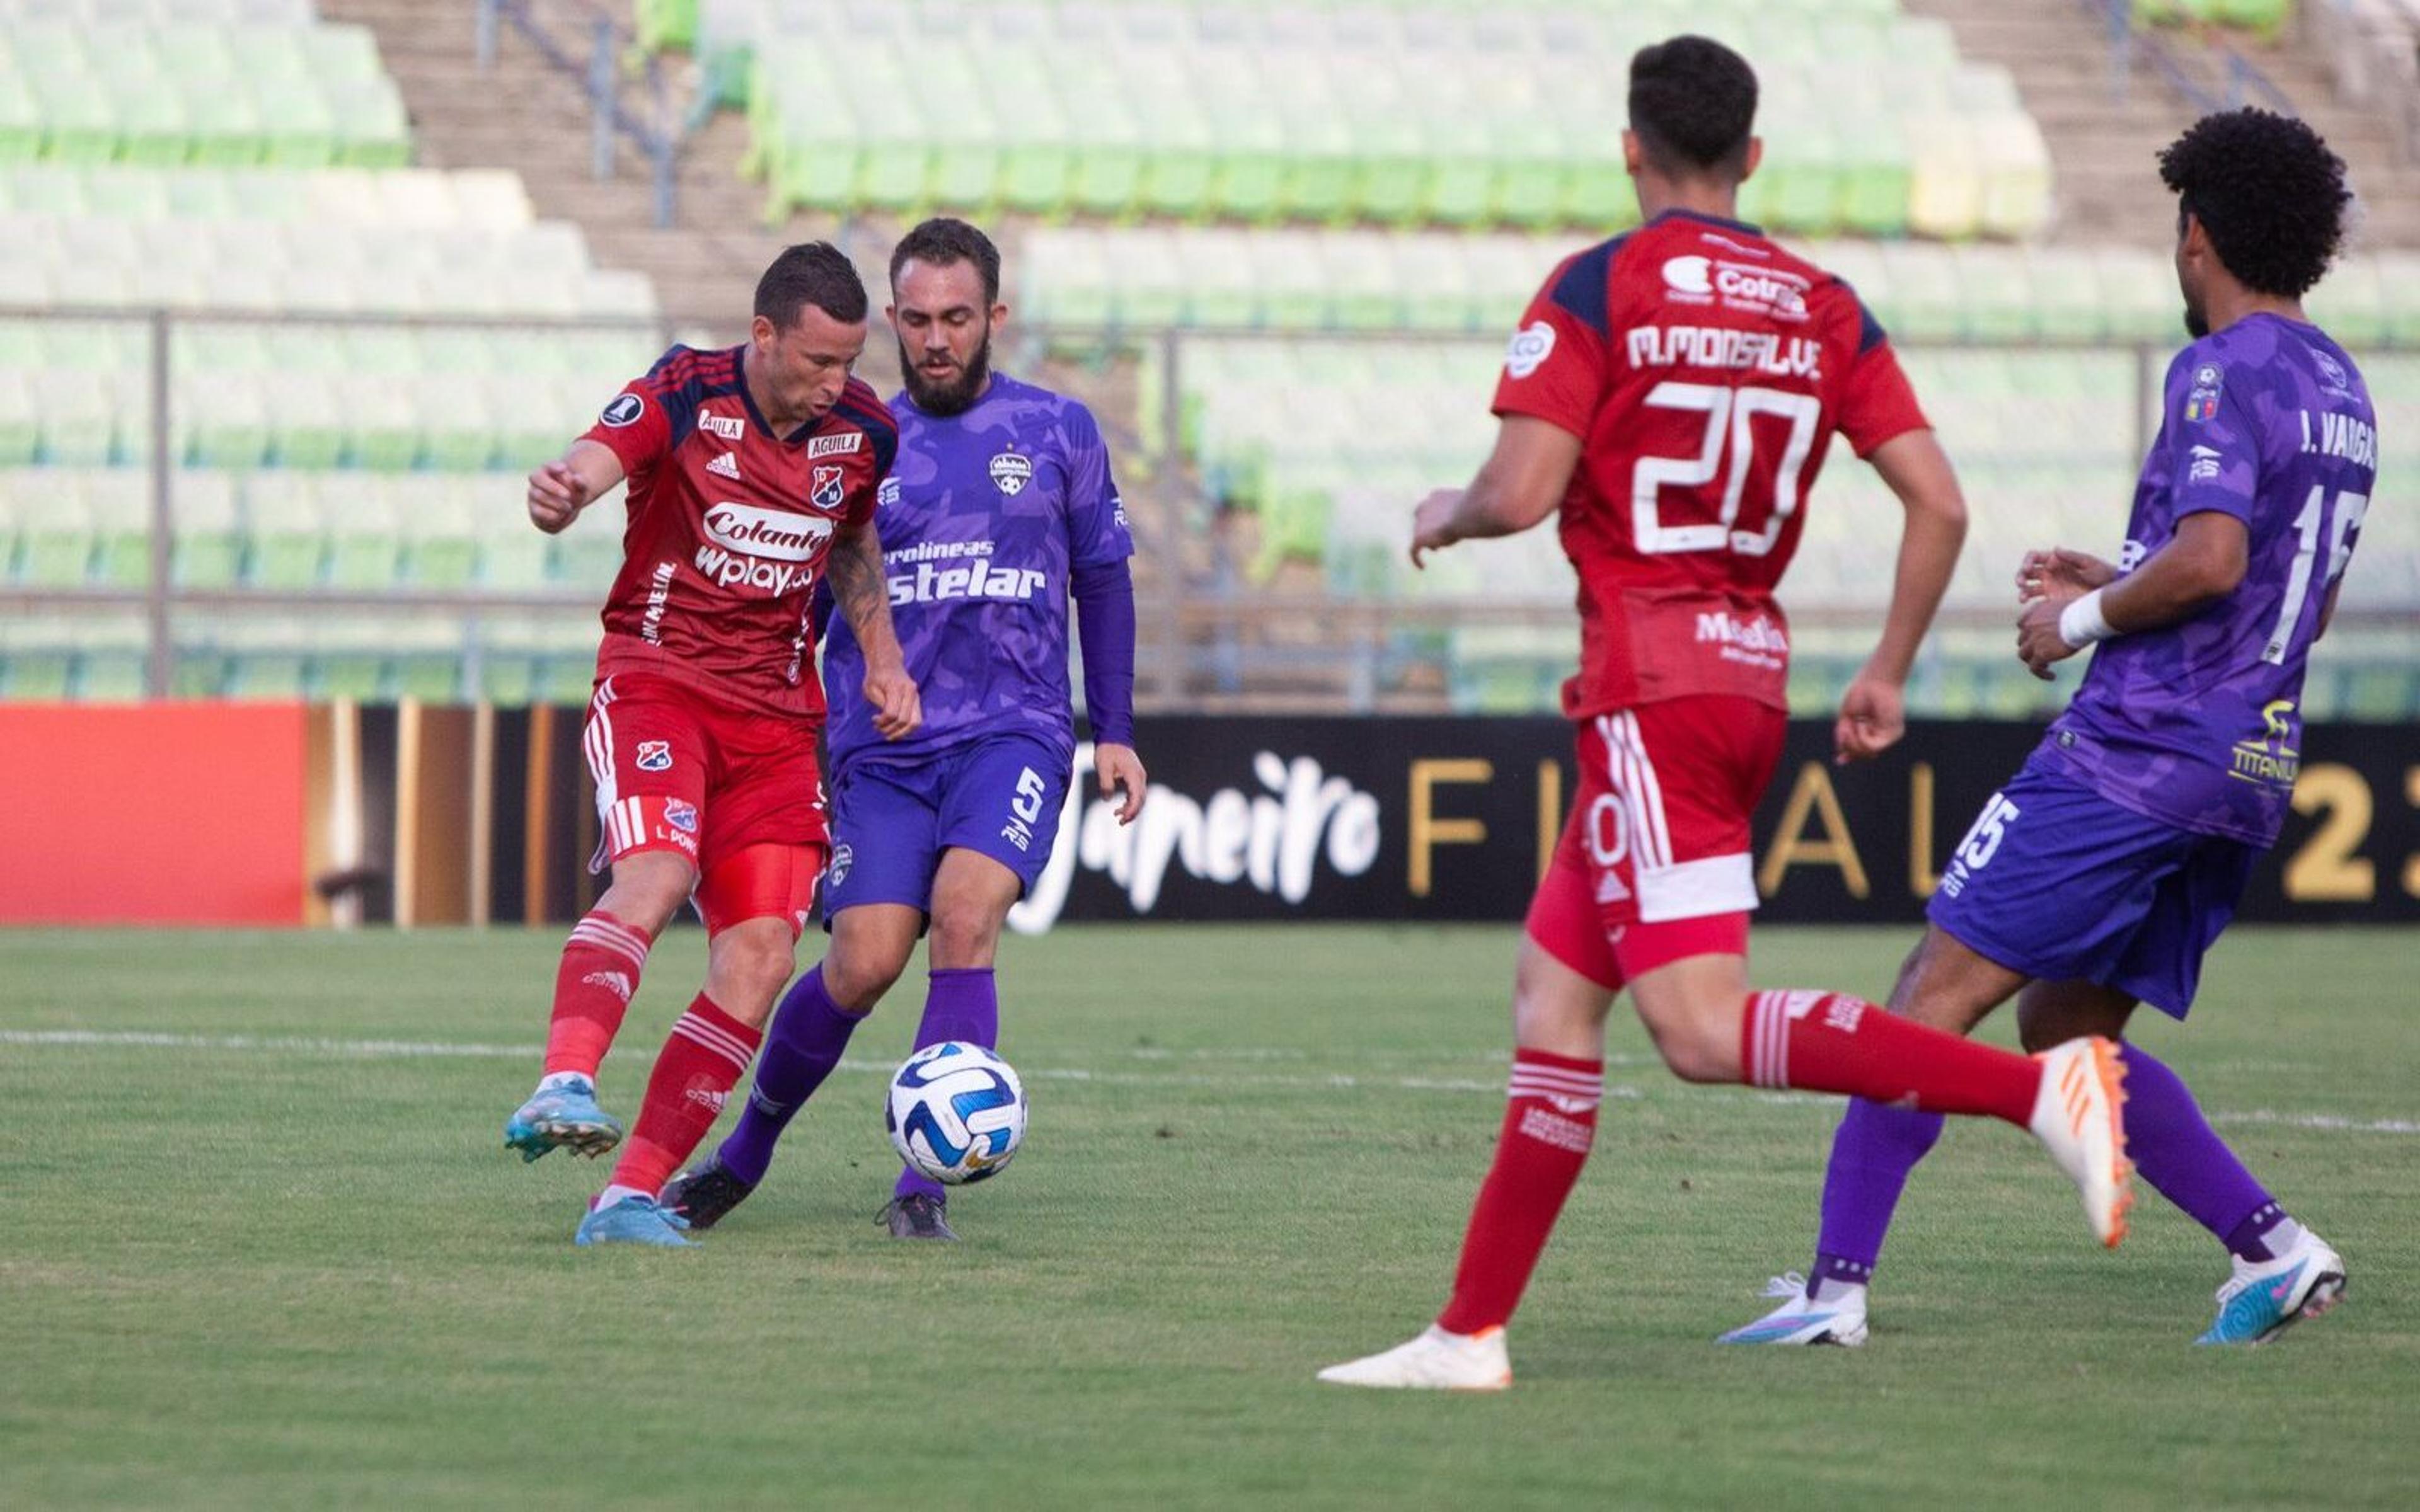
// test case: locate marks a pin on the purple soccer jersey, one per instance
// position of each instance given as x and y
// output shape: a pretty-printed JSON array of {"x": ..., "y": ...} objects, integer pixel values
[
  {"x": 2199, "y": 724},
  {"x": 984, "y": 519}
]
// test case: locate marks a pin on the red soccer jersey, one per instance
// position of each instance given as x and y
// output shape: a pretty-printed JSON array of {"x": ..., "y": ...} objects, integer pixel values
[
  {"x": 1704, "y": 369},
  {"x": 729, "y": 527}
]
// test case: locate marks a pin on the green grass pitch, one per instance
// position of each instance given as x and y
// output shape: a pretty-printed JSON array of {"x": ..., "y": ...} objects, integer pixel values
[{"x": 274, "y": 1254}]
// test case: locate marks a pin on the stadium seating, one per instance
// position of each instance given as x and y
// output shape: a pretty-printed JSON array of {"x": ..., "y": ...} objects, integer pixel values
[
  {"x": 1408, "y": 114},
  {"x": 84, "y": 83}
]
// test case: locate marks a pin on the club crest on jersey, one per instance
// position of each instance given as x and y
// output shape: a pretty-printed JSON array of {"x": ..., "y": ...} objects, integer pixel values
[
  {"x": 1010, "y": 473},
  {"x": 681, "y": 814},
  {"x": 655, "y": 755},
  {"x": 625, "y": 410},
  {"x": 845, "y": 444},
  {"x": 2202, "y": 403},
  {"x": 827, "y": 490},
  {"x": 1529, "y": 348},
  {"x": 837, "y": 871},
  {"x": 730, "y": 427},
  {"x": 2332, "y": 375}
]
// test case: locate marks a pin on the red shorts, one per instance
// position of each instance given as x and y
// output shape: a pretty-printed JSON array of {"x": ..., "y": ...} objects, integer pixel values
[
  {"x": 731, "y": 791},
  {"x": 1653, "y": 864}
]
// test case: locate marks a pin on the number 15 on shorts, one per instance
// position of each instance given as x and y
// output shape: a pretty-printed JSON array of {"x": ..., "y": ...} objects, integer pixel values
[
  {"x": 1982, "y": 843},
  {"x": 1025, "y": 810}
]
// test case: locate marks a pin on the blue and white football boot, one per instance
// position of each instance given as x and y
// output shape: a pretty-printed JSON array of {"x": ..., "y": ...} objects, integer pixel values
[
  {"x": 562, "y": 1111},
  {"x": 1801, "y": 1320},
  {"x": 2267, "y": 1297},
  {"x": 633, "y": 1219}
]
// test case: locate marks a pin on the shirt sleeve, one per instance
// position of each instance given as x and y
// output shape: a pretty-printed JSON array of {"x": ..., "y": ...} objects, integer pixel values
[
  {"x": 1097, "y": 532},
  {"x": 2214, "y": 447},
  {"x": 1877, "y": 403},
  {"x": 634, "y": 428},
  {"x": 1555, "y": 367}
]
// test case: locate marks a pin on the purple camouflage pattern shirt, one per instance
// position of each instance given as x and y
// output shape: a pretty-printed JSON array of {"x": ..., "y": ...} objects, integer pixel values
[
  {"x": 2200, "y": 724},
  {"x": 984, "y": 519}
]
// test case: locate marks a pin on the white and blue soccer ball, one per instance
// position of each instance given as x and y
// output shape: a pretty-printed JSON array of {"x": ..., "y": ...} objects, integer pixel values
[{"x": 956, "y": 1112}]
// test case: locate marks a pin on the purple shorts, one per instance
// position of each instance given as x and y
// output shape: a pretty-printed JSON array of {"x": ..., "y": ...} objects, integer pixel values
[
  {"x": 892, "y": 821},
  {"x": 2057, "y": 881}
]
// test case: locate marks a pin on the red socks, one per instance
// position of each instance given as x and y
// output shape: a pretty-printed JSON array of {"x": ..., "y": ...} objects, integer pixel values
[
  {"x": 1549, "y": 1123},
  {"x": 703, "y": 1058},
  {"x": 1833, "y": 1042},
  {"x": 601, "y": 962}
]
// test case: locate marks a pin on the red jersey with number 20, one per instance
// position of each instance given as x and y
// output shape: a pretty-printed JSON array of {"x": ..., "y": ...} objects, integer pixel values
[
  {"x": 729, "y": 528},
  {"x": 1704, "y": 369}
]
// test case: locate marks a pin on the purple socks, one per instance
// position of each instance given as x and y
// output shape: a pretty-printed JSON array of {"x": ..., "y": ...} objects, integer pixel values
[
  {"x": 809, "y": 1033},
  {"x": 962, "y": 1004},
  {"x": 1872, "y": 1155},
  {"x": 2171, "y": 1142},
  {"x": 2175, "y": 1150}
]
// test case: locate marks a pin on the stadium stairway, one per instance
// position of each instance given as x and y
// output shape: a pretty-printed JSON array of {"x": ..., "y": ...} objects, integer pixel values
[
  {"x": 529, "y": 116},
  {"x": 2104, "y": 149}
]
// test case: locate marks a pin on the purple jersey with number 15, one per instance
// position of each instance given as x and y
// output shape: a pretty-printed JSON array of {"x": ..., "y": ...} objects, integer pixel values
[{"x": 2198, "y": 723}]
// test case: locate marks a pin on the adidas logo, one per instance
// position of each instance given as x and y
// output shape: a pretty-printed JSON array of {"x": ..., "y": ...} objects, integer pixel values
[
  {"x": 725, "y": 466},
  {"x": 616, "y": 982}
]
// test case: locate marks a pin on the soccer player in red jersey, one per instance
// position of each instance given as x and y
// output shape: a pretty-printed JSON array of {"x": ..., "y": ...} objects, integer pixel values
[
  {"x": 1673, "y": 392},
  {"x": 751, "y": 473}
]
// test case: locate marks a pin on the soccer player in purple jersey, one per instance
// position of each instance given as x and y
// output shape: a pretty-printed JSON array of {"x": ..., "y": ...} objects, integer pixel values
[
  {"x": 2096, "y": 879},
  {"x": 999, "y": 509}
]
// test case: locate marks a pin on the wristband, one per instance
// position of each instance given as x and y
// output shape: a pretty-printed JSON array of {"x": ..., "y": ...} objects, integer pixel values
[{"x": 2081, "y": 623}]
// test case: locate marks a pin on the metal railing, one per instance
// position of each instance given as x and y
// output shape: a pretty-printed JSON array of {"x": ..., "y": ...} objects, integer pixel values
[
  {"x": 657, "y": 137},
  {"x": 1210, "y": 636},
  {"x": 2224, "y": 79}
]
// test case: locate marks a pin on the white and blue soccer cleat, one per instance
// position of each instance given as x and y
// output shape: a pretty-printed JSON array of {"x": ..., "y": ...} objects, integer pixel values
[
  {"x": 1801, "y": 1320},
  {"x": 2267, "y": 1297},
  {"x": 633, "y": 1221},
  {"x": 562, "y": 1111},
  {"x": 1433, "y": 1359}
]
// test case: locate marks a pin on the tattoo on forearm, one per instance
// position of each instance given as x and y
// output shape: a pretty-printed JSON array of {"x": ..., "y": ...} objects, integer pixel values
[{"x": 857, "y": 582}]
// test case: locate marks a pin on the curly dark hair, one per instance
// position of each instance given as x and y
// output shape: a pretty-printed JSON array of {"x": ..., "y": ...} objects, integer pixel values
[
  {"x": 1692, "y": 102},
  {"x": 943, "y": 241},
  {"x": 2267, "y": 190}
]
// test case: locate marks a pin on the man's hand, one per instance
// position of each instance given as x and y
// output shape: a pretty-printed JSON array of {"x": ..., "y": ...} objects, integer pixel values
[
  {"x": 1873, "y": 716},
  {"x": 2061, "y": 574},
  {"x": 1118, "y": 766},
  {"x": 1432, "y": 523},
  {"x": 2038, "y": 642},
  {"x": 898, "y": 708},
  {"x": 556, "y": 496}
]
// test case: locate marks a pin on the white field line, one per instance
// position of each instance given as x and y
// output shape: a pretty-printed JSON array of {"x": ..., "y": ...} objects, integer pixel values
[{"x": 1491, "y": 1087}]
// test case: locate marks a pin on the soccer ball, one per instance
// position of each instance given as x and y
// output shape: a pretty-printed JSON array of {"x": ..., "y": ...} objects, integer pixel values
[{"x": 956, "y": 1112}]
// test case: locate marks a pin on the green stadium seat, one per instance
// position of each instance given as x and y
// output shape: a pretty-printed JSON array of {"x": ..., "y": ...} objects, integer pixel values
[
  {"x": 666, "y": 24},
  {"x": 441, "y": 547},
  {"x": 284, "y": 530},
  {"x": 209, "y": 548},
  {"x": 36, "y": 659},
  {"x": 56, "y": 543},
  {"x": 112, "y": 662},
  {"x": 117, "y": 502}
]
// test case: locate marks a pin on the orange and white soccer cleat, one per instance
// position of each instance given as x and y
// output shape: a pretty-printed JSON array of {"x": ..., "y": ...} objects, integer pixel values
[
  {"x": 2079, "y": 1116},
  {"x": 1433, "y": 1361}
]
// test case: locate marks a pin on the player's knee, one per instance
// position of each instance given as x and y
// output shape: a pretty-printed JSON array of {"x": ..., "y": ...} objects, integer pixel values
[
  {"x": 963, "y": 934},
  {"x": 1699, "y": 1040},
  {"x": 750, "y": 964},
  {"x": 647, "y": 889},
  {"x": 858, "y": 982}
]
